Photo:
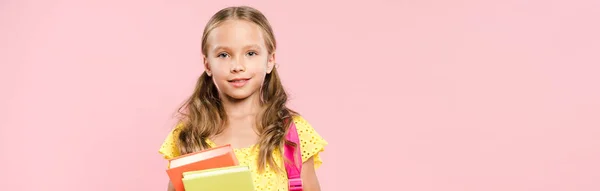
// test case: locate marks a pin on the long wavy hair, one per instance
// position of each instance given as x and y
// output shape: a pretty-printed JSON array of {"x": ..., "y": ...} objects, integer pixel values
[{"x": 203, "y": 114}]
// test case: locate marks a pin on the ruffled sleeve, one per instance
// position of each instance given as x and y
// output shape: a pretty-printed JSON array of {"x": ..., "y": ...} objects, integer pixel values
[
  {"x": 169, "y": 147},
  {"x": 311, "y": 143}
]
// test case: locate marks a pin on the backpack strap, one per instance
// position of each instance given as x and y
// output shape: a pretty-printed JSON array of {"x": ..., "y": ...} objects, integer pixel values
[{"x": 295, "y": 156}]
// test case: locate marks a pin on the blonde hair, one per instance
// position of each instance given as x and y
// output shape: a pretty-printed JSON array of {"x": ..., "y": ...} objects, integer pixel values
[{"x": 203, "y": 113}]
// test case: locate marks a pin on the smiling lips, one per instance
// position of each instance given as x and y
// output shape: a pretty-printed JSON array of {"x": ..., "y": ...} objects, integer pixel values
[{"x": 238, "y": 82}]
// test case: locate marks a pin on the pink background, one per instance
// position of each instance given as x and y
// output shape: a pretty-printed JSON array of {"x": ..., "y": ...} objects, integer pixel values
[{"x": 468, "y": 95}]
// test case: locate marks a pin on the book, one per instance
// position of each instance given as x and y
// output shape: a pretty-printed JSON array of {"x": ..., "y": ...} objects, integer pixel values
[
  {"x": 217, "y": 157},
  {"x": 235, "y": 178}
]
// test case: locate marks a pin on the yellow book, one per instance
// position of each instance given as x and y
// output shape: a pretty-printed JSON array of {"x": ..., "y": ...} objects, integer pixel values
[{"x": 235, "y": 178}]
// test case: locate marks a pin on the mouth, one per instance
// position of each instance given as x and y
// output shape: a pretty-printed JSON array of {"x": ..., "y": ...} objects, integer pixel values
[{"x": 238, "y": 82}]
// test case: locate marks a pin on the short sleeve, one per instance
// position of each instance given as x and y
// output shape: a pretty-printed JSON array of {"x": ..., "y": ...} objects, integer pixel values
[
  {"x": 169, "y": 147},
  {"x": 311, "y": 143}
]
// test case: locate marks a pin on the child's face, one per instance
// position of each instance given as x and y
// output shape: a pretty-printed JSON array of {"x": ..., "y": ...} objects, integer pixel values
[{"x": 237, "y": 58}]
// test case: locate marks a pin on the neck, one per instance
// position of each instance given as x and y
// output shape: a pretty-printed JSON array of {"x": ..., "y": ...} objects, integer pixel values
[{"x": 240, "y": 108}]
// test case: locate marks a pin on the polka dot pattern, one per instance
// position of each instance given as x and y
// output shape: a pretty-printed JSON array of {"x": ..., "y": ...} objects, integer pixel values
[{"x": 311, "y": 144}]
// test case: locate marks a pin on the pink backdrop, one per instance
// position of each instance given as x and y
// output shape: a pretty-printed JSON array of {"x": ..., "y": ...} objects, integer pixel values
[{"x": 414, "y": 95}]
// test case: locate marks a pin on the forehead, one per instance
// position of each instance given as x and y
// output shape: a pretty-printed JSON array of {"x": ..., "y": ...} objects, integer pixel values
[{"x": 235, "y": 34}]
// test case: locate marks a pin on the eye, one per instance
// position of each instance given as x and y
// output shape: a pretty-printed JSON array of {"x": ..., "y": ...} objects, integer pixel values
[
  {"x": 252, "y": 53},
  {"x": 222, "y": 55}
]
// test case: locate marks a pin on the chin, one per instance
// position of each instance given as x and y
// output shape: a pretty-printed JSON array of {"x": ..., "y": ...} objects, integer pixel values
[{"x": 239, "y": 95}]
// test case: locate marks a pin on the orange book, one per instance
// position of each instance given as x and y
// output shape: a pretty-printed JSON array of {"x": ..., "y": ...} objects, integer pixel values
[{"x": 217, "y": 157}]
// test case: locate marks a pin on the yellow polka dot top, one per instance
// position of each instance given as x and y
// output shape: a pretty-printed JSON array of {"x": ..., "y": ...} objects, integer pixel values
[{"x": 311, "y": 144}]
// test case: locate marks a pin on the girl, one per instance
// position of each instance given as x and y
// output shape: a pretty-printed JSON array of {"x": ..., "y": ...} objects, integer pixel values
[{"x": 239, "y": 100}]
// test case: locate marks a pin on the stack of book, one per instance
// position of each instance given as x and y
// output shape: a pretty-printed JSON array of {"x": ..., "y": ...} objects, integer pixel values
[{"x": 212, "y": 169}]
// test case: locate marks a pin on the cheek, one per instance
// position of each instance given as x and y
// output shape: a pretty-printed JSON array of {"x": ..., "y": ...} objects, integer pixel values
[
  {"x": 259, "y": 66},
  {"x": 218, "y": 69}
]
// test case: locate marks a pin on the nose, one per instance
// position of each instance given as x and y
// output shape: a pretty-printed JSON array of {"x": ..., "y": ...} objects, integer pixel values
[{"x": 237, "y": 66}]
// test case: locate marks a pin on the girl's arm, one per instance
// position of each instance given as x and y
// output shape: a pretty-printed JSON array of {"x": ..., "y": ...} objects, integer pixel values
[
  {"x": 170, "y": 187},
  {"x": 310, "y": 182}
]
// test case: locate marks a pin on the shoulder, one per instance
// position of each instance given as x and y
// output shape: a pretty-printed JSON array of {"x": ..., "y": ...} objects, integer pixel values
[
  {"x": 300, "y": 121},
  {"x": 175, "y": 131},
  {"x": 304, "y": 127}
]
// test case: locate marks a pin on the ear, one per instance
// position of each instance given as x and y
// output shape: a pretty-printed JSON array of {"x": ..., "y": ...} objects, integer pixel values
[
  {"x": 206, "y": 66},
  {"x": 270, "y": 62}
]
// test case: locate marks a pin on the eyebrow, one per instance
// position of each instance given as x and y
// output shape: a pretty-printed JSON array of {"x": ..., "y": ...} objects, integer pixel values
[{"x": 255, "y": 46}]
